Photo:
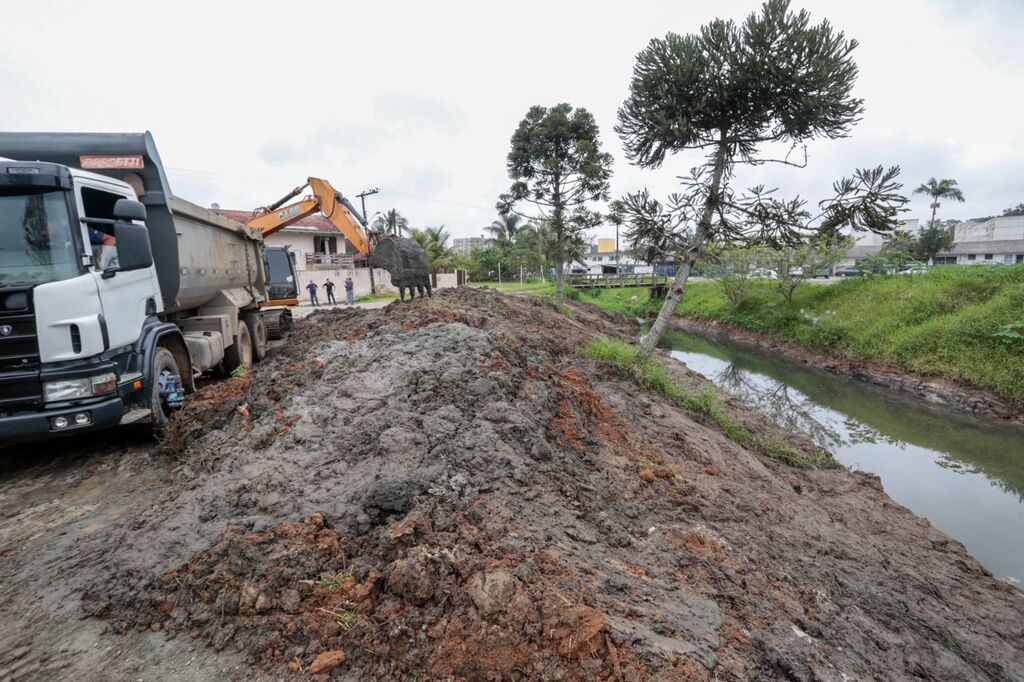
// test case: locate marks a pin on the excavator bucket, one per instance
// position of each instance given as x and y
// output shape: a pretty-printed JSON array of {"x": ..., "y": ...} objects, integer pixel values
[{"x": 407, "y": 263}]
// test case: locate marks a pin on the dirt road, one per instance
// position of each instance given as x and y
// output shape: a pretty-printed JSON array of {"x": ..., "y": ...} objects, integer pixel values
[{"x": 445, "y": 490}]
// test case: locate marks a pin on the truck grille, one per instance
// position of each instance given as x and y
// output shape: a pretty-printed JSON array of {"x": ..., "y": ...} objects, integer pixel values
[
  {"x": 20, "y": 390},
  {"x": 19, "y": 350}
]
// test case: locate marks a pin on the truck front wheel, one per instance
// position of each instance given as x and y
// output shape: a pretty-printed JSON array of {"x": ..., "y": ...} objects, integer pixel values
[
  {"x": 239, "y": 354},
  {"x": 167, "y": 392}
]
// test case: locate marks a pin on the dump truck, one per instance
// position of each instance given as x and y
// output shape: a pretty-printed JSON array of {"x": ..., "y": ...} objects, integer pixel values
[{"x": 116, "y": 295}]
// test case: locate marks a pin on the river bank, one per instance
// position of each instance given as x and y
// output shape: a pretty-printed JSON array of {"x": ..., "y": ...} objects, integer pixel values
[
  {"x": 963, "y": 473},
  {"x": 936, "y": 390},
  {"x": 951, "y": 327}
]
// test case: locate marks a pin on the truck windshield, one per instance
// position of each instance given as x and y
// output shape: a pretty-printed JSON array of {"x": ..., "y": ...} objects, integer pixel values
[{"x": 36, "y": 243}]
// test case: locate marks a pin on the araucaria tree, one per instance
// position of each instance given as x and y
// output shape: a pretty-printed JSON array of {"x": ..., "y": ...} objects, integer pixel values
[
  {"x": 556, "y": 164},
  {"x": 728, "y": 90}
]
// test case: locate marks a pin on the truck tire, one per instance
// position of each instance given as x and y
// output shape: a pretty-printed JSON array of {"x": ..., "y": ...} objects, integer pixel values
[
  {"x": 163, "y": 361},
  {"x": 239, "y": 353},
  {"x": 258, "y": 334}
]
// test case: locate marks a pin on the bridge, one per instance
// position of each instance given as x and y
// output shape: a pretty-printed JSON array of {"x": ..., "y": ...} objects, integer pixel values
[{"x": 617, "y": 280}]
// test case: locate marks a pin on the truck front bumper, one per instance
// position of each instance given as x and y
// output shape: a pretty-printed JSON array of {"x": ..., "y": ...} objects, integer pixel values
[{"x": 29, "y": 426}]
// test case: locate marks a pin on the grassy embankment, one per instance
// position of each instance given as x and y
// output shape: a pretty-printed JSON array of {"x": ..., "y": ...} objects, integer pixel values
[
  {"x": 649, "y": 372},
  {"x": 376, "y": 298},
  {"x": 529, "y": 286},
  {"x": 944, "y": 322}
]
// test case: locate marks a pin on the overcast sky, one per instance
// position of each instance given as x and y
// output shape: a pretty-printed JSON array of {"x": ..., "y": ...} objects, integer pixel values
[{"x": 420, "y": 98}]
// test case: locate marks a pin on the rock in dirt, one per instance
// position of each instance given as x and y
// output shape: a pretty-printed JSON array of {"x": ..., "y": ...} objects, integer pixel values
[{"x": 326, "y": 662}]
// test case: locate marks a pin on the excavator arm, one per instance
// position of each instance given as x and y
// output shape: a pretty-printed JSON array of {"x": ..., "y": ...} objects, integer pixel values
[
  {"x": 325, "y": 200},
  {"x": 403, "y": 258}
]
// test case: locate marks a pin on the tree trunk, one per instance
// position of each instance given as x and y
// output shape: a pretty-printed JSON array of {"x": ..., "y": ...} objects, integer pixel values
[
  {"x": 560, "y": 281},
  {"x": 672, "y": 298},
  {"x": 675, "y": 292}
]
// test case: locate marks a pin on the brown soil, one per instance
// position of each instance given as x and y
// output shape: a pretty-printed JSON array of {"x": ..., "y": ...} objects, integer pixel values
[
  {"x": 446, "y": 490},
  {"x": 938, "y": 390}
]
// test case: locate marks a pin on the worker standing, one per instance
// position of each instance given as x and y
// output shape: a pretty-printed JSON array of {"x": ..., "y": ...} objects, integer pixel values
[
  {"x": 312, "y": 293},
  {"x": 329, "y": 288},
  {"x": 349, "y": 291}
]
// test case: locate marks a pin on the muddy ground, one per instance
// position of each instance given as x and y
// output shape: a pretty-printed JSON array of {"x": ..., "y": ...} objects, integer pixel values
[{"x": 446, "y": 490}]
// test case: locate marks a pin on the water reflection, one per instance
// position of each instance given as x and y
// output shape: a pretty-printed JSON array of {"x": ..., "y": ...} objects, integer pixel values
[{"x": 965, "y": 474}]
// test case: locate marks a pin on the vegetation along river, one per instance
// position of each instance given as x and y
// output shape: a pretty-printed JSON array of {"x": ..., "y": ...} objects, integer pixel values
[{"x": 964, "y": 474}]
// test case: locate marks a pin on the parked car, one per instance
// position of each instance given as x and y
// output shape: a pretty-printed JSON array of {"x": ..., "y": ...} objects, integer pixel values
[
  {"x": 849, "y": 272},
  {"x": 763, "y": 273},
  {"x": 796, "y": 272},
  {"x": 914, "y": 270}
]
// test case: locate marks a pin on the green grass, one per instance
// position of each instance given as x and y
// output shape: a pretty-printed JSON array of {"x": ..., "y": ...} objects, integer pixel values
[
  {"x": 626, "y": 358},
  {"x": 377, "y": 298},
  {"x": 531, "y": 285},
  {"x": 944, "y": 322},
  {"x": 649, "y": 372}
]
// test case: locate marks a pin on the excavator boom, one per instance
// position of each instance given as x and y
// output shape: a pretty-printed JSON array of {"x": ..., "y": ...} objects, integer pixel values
[{"x": 325, "y": 200}]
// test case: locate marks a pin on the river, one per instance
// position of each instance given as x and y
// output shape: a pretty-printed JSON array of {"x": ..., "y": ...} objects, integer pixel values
[{"x": 964, "y": 474}]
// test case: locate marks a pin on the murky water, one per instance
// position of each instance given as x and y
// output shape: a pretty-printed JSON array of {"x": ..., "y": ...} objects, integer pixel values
[{"x": 964, "y": 474}]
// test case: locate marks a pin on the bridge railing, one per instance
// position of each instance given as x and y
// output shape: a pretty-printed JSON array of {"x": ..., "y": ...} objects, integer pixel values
[{"x": 616, "y": 280}]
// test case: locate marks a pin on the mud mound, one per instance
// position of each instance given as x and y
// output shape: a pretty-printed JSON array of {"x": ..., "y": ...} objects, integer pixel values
[{"x": 444, "y": 489}]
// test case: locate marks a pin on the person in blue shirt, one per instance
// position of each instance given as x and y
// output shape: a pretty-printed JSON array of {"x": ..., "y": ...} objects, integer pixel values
[
  {"x": 312, "y": 293},
  {"x": 101, "y": 238}
]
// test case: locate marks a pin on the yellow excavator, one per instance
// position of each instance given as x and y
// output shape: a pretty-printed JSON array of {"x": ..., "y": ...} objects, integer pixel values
[{"x": 403, "y": 258}]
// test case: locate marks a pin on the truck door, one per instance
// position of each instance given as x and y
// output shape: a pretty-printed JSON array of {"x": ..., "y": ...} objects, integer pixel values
[{"x": 127, "y": 297}]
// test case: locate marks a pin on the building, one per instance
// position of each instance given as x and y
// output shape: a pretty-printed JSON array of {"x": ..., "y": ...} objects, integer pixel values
[
  {"x": 320, "y": 252},
  {"x": 602, "y": 259},
  {"x": 467, "y": 244},
  {"x": 993, "y": 240}
]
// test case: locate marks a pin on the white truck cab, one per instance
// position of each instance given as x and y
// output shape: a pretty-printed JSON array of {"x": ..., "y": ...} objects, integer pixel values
[
  {"x": 115, "y": 294},
  {"x": 107, "y": 311}
]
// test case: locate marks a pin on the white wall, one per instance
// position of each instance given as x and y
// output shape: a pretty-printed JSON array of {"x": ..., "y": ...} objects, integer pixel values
[
  {"x": 447, "y": 280},
  {"x": 1003, "y": 228},
  {"x": 360, "y": 280}
]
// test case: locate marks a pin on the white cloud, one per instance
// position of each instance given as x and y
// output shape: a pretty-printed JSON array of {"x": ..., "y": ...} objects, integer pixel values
[{"x": 421, "y": 98}]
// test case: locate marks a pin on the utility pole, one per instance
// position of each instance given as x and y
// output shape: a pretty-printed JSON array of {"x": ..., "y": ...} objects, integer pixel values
[
  {"x": 617, "y": 248},
  {"x": 362, "y": 198}
]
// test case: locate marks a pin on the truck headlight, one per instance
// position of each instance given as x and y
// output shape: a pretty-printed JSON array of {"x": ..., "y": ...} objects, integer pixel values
[
  {"x": 103, "y": 383},
  {"x": 70, "y": 389},
  {"x": 66, "y": 389}
]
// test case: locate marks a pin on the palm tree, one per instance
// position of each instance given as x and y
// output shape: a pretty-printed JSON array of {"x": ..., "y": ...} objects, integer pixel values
[
  {"x": 391, "y": 222},
  {"x": 505, "y": 227},
  {"x": 434, "y": 242},
  {"x": 940, "y": 189},
  {"x": 901, "y": 244}
]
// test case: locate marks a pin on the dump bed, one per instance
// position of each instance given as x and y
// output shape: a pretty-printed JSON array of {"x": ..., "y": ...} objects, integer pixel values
[{"x": 198, "y": 253}]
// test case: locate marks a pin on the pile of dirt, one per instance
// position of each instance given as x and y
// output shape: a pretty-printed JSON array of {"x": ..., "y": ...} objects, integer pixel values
[{"x": 445, "y": 489}]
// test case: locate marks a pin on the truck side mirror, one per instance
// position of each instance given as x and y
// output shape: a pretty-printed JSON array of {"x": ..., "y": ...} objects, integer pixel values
[
  {"x": 133, "y": 250},
  {"x": 129, "y": 209}
]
